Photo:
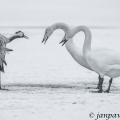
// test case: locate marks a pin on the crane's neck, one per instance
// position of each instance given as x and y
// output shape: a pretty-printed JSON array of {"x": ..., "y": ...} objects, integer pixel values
[
  {"x": 88, "y": 37},
  {"x": 62, "y": 26},
  {"x": 11, "y": 38}
]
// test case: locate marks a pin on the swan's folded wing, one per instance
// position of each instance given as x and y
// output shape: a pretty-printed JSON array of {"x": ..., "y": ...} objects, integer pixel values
[
  {"x": 108, "y": 57},
  {"x": 101, "y": 60}
]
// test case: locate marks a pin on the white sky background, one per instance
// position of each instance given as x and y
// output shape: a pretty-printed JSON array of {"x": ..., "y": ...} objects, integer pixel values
[{"x": 72, "y": 12}]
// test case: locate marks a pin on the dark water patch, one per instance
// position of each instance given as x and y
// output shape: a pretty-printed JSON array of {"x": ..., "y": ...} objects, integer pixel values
[
  {"x": 44, "y": 85},
  {"x": 52, "y": 86},
  {"x": 76, "y": 85}
]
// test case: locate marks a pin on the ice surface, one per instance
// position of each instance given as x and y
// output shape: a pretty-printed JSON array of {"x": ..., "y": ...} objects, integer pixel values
[{"x": 45, "y": 83}]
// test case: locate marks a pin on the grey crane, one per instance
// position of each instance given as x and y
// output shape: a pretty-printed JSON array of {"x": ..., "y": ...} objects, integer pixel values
[{"x": 3, "y": 50}]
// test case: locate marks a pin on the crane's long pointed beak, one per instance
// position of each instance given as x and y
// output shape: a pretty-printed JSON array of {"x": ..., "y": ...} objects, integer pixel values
[{"x": 26, "y": 37}]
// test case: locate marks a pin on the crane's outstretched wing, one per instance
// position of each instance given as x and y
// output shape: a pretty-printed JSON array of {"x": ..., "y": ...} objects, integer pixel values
[
  {"x": 3, "y": 51},
  {"x": 3, "y": 40}
]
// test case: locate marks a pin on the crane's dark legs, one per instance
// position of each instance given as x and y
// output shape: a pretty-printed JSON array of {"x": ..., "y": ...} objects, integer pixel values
[
  {"x": 110, "y": 82},
  {"x": 0, "y": 84}
]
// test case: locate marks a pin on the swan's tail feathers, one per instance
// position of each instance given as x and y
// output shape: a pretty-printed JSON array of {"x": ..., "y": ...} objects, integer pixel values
[{"x": 3, "y": 51}]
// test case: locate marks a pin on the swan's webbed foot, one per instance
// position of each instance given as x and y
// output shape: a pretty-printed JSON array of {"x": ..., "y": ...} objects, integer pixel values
[
  {"x": 99, "y": 91},
  {"x": 92, "y": 88},
  {"x": 107, "y": 91}
]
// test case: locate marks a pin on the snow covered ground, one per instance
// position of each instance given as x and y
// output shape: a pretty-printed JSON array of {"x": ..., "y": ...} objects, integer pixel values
[{"x": 45, "y": 83}]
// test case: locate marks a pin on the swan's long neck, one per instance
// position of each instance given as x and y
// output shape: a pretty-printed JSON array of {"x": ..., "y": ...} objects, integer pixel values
[
  {"x": 62, "y": 26},
  {"x": 75, "y": 52},
  {"x": 88, "y": 37},
  {"x": 70, "y": 46}
]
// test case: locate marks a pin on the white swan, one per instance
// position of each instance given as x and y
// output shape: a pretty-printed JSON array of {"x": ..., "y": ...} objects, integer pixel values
[
  {"x": 75, "y": 52},
  {"x": 105, "y": 62}
]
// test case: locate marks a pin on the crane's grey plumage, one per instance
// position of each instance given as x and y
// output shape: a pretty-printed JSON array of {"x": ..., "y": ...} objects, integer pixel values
[{"x": 3, "y": 41}]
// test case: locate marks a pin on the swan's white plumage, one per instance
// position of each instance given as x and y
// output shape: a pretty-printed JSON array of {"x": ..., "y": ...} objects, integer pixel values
[
  {"x": 77, "y": 54},
  {"x": 104, "y": 62},
  {"x": 95, "y": 59}
]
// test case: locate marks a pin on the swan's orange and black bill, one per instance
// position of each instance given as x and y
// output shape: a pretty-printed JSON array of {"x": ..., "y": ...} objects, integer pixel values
[
  {"x": 63, "y": 41},
  {"x": 44, "y": 40}
]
